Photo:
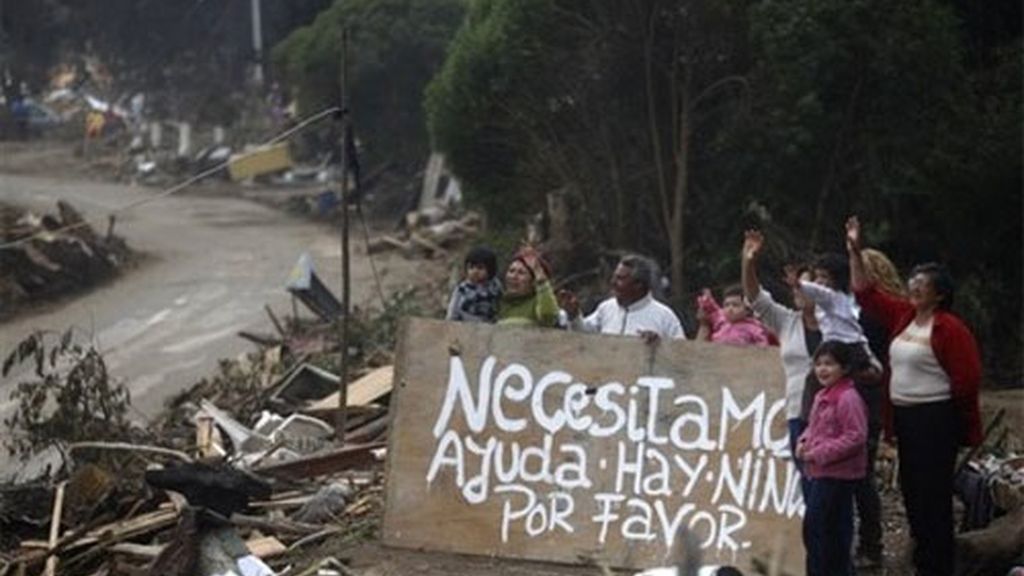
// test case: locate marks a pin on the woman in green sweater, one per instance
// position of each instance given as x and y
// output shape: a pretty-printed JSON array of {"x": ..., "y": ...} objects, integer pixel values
[{"x": 528, "y": 299}]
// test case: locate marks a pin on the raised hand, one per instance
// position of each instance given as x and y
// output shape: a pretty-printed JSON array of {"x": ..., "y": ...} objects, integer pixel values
[
  {"x": 531, "y": 259},
  {"x": 853, "y": 234},
  {"x": 753, "y": 241},
  {"x": 704, "y": 302}
]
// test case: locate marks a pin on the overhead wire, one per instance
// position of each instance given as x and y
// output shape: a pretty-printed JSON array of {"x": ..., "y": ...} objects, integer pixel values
[
  {"x": 305, "y": 123},
  {"x": 369, "y": 256},
  {"x": 286, "y": 134}
]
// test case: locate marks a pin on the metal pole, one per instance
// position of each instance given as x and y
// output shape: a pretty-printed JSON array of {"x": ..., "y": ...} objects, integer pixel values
[
  {"x": 257, "y": 42},
  {"x": 342, "y": 412}
]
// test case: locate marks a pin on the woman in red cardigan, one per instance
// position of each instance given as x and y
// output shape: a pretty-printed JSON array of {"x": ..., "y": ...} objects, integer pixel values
[{"x": 936, "y": 371}]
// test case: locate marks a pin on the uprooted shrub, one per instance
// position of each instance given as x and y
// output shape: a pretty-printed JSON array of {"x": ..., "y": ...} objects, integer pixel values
[{"x": 68, "y": 396}]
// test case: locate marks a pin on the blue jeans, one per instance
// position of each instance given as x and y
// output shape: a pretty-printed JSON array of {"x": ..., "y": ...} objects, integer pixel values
[{"x": 828, "y": 527}]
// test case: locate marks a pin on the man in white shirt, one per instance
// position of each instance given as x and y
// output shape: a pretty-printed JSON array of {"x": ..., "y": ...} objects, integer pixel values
[{"x": 632, "y": 310}]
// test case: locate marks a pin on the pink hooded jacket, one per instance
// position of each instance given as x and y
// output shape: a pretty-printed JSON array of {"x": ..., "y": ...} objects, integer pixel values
[{"x": 836, "y": 436}]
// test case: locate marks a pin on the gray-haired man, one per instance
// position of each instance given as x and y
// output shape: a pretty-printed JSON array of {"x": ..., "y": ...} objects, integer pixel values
[{"x": 632, "y": 310}]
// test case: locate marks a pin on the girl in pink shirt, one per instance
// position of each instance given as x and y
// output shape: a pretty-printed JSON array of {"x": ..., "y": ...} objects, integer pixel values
[{"x": 834, "y": 451}]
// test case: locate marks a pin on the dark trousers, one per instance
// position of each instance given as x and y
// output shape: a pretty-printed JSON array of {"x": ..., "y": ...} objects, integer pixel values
[
  {"x": 868, "y": 503},
  {"x": 828, "y": 527},
  {"x": 796, "y": 428},
  {"x": 926, "y": 435}
]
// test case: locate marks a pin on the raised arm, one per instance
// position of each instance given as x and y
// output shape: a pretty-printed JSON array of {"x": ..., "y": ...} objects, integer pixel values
[
  {"x": 753, "y": 241},
  {"x": 859, "y": 279}
]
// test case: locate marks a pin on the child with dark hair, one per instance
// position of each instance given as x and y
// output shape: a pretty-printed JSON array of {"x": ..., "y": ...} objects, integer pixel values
[
  {"x": 731, "y": 323},
  {"x": 833, "y": 449},
  {"x": 829, "y": 288},
  {"x": 476, "y": 297}
]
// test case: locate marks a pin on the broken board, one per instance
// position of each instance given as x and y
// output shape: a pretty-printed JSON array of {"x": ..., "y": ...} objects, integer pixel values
[
  {"x": 567, "y": 447},
  {"x": 259, "y": 161},
  {"x": 362, "y": 392}
]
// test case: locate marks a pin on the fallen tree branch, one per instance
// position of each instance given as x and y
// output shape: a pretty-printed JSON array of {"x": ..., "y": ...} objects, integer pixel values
[{"x": 130, "y": 448}]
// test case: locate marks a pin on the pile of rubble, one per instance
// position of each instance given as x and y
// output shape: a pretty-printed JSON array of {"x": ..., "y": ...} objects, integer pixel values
[
  {"x": 429, "y": 232},
  {"x": 53, "y": 254},
  {"x": 991, "y": 486},
  {"x": 249, "y": 472}
]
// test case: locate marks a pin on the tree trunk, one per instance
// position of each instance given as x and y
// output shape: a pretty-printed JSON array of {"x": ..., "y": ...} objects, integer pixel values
[
  {"x": 677, "y": 228},
  {"x": 618, "y": 218},
  {"x": 831, "y": 171}
]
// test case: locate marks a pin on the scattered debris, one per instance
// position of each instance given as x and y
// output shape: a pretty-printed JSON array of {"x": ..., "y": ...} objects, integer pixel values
[
  {"x": 247, "y": 472},
  {"x": 305, "y": 285},
  {"x": 58, "y": 254},
  {"x": 429, "y": 233}
]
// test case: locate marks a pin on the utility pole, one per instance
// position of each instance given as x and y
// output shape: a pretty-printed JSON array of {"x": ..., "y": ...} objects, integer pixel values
[
  {"x": 342, "y": 413},
  {"x": 257, "y": 42}
]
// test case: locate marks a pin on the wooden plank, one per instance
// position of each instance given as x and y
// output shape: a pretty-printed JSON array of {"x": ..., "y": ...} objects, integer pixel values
[
  {"x": 262, "y": 160},
  {"x": 328, "y": 462},
  {"x": 262, "y": 547},
  {"x": 113, "y": 532},
  {"x": 148, "y": 551},
  {"x": 283, "y": 503},
  {"x": 364, "y": 391},
  {"x": 58, "y": 510},
  {"x": 265, "y": 547},
  {"x": 556, "y": 446}
]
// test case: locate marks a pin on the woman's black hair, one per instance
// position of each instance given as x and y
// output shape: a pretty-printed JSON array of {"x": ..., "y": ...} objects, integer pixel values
[
  {"x": 942, "y": 282},
  {"x": 483, "y": 256},
  {"x": 838, "y": 267},
  {"x": 850, "y": 356}
]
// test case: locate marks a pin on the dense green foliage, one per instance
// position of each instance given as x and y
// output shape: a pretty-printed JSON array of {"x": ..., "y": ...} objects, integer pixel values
[
  {"x": 395, "y": 46},
  {"x": 677, "y": 123}
]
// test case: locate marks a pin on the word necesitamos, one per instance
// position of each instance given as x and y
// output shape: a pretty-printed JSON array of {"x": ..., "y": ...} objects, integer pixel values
[{"x": 556, "y": 402}]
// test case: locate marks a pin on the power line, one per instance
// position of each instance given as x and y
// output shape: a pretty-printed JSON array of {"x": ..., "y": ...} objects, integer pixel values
[
  {"x": 305, "y": 123},
  {"x": 369, "y": 256}
]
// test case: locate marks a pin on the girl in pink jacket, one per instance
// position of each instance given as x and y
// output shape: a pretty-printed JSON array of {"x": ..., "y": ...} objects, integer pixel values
[{"x": 834, "y": 451}]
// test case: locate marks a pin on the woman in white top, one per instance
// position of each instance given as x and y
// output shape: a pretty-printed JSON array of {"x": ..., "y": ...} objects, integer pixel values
[{"x": 797, "y": 330}]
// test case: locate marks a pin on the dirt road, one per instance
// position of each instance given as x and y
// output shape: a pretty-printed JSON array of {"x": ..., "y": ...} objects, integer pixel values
[{"x": 213, "y": 262}]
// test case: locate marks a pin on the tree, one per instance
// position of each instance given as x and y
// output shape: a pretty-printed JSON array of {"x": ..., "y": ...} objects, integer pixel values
[
  {"x": 604, "y": 98},
  {"x": 395, "y": 47},
  {"x": 893, "y": 112}
]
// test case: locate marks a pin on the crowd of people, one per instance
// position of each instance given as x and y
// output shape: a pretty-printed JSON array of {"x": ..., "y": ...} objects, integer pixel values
[{"x": 861, "y": 351}]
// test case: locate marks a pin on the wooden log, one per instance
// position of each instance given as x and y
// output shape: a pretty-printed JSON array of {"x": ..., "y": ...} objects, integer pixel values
[
  {"x": 262, "y": 547},
  {"x": 130, "y": 448},
  {"x": 323, "y": 463},
  {"x": 274, "y": 526},
  {"x": 433, "y": 248},
  {"x": 368, "y": 432},
  {"x": 113, "y": 532},
  {"x": 148, "y": 551},
  {"x": 275, "y": 321},
  {"x": 385, "y": 243},
  {"x": 260, "y": 339},
  {"x": 58, "y": 509}
]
